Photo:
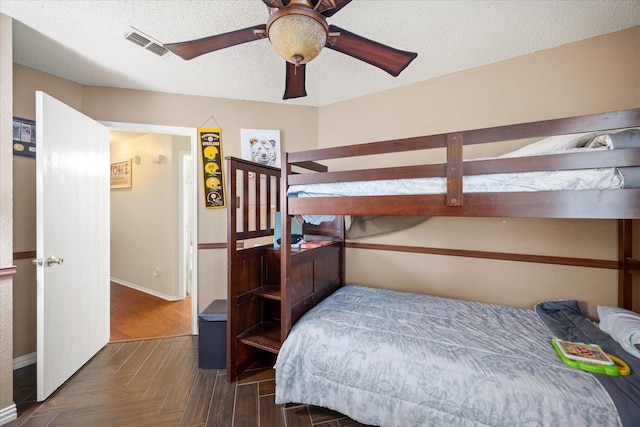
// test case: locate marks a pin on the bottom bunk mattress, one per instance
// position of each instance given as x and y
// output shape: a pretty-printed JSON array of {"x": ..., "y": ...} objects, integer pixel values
[{"x": 391, "y": 358}]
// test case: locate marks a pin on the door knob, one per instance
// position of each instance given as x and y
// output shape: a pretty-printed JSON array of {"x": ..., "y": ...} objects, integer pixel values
[
  {"x": 37, "y": 262},
  {"x": 53, "y": 260}
]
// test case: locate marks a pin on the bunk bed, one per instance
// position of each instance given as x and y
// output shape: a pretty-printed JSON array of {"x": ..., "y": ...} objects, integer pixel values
[{"x": 390, "y": 358}]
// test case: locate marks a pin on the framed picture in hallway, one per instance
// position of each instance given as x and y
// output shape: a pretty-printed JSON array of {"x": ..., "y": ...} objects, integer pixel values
[{"x": 121, "y": 174}]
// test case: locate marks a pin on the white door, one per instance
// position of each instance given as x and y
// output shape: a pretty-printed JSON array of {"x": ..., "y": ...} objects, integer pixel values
[{"x": 72, "y": 220}]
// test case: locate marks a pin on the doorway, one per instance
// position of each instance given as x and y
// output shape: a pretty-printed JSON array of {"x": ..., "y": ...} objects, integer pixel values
[{"x": 163, "y": 170}]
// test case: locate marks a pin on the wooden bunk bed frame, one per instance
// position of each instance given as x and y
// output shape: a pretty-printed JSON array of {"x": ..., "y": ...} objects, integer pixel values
[
  {"x": 618, "y": 204},
  {"x": 252, "y": 271}
]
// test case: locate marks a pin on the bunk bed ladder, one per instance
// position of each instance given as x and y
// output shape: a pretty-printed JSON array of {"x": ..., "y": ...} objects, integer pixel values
[
  {"x": 253, "y": 305},
  {"x": 269, "y": 289}
]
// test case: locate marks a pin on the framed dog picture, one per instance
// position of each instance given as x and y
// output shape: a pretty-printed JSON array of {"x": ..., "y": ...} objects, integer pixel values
[{"x": 261, "y": 146}]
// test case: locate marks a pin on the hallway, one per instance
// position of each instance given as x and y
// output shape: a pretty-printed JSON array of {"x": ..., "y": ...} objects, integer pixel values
[{"x": 137, "y": 315}]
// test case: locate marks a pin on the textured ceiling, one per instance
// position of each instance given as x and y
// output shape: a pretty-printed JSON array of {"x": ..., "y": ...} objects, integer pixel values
[{"x": 83, "y": 41}]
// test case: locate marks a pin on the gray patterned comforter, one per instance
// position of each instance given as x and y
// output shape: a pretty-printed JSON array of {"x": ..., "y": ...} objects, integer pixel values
[{"x": 400, "y": 359}]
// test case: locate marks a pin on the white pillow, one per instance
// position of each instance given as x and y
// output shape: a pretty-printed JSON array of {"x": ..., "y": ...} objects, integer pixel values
[
  {"x": 551, "y": 145},
  {"x": 623, "y": 325}
]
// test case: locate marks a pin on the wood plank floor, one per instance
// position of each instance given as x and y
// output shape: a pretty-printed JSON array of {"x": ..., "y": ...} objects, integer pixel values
[
  {"x": 136, "y": 315},
  {"x": 158, "y": 383}
]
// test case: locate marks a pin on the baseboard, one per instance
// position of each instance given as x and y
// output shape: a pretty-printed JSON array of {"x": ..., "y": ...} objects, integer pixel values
[
  {"x": 8, "y": 414},
  {"x": 145, "y": 290},
  {"x": 26, "y": 360}
]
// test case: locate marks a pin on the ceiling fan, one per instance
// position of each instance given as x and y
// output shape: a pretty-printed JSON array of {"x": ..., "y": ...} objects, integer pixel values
[{"x": 298, "y": 31}]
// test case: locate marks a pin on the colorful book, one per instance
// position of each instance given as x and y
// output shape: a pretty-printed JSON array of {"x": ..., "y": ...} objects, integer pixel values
[
  {"x": 583, "y": 352},
  {"x": 589, "y": 357}
]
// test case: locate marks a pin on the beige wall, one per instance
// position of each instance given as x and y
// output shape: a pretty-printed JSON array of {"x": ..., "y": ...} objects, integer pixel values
[
  {"x": 7, "y": 407},
  {"x": 145, "y": 217},
  {"x": 593, "y": 76}
]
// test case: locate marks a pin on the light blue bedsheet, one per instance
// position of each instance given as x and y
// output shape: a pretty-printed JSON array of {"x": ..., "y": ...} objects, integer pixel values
[{"x": 399, "y": 359}]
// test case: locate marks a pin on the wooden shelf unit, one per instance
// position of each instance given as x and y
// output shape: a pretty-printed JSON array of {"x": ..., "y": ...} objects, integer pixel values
[{"x": 261, "y": 310}]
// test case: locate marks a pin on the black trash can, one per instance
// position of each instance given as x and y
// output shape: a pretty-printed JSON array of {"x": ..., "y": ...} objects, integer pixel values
[{"x": 212, "y": 336}]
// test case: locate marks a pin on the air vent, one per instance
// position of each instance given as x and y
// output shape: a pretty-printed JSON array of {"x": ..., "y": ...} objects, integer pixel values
[
  {"x": 137, "y": 37},
  {"x": 157, "y": 49}
]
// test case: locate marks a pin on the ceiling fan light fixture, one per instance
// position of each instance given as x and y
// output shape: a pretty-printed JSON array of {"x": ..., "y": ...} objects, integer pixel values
[
  {"x": 297, "y": 34},
  {"x": 298, "y": 31}
]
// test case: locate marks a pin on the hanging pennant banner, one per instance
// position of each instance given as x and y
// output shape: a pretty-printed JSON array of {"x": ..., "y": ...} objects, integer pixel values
[{"x": 212, "y": 172}]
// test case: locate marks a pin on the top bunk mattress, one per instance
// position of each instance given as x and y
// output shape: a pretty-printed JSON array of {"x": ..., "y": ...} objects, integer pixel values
[{"x": 585, "y": 179}]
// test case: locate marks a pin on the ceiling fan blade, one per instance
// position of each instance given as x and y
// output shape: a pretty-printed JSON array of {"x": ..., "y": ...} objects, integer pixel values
[
  {"x": 278, "y": 4},
  {"x": 325, "y": 7},
  {"x": 295, "y": 81},
  {"x": 332, "y": 6},
  {"x": 193, "y": 48},
  {"x": 389, "y": 59}
]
